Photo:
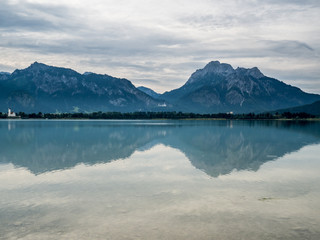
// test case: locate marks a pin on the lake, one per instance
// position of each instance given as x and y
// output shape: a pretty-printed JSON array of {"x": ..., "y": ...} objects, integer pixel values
[{"x": 159, "y": 179}]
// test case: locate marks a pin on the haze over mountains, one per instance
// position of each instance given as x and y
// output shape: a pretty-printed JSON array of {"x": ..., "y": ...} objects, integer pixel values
[{"x": 215, "y": 88}]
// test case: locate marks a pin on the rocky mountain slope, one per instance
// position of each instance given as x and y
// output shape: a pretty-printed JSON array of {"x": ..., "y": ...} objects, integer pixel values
[
  {"x": 51, "y": 89},
  {"x": 215, "y": 88},
  {"x": 220, "y": 88}
]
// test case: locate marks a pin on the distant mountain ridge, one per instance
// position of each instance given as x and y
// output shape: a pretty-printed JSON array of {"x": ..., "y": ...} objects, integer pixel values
[
  {"x": 218, "y": 87},
  {"x": 313, "y": 108},
  {"x": 149, "y": 91},
  {"x": 53, "y": 89},
  {"x": 4, "y": 75}
]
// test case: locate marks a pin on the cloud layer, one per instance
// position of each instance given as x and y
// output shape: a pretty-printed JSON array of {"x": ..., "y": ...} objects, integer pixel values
[{"x": 159, "y": 44}]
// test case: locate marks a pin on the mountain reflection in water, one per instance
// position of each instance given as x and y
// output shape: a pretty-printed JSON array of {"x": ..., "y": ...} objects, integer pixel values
[{"x": 215, "y": 147}]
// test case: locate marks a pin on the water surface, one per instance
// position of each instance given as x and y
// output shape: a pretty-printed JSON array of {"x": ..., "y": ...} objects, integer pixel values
[{"x": 159, "y": 180}]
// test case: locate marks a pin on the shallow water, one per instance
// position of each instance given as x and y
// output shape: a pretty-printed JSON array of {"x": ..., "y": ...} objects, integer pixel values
[{"x": 159, "y": 180}]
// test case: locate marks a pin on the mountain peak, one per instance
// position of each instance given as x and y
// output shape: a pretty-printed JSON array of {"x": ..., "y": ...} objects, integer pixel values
[
  {"x": 38, "y": 66},
  {"x": 253, "y": 72},
  {"x": 44, "y": 88},
  {"x": 87, "y": 73},
  {"x": 213, "y": 67},
  {"x": 5, "y": 73},
  {"x": 219, "y": 68},
  {"x": 220, "y": 88}
]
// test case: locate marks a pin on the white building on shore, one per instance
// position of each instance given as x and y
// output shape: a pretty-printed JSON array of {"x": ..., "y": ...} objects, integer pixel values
[{"x": 11, "y": 113}]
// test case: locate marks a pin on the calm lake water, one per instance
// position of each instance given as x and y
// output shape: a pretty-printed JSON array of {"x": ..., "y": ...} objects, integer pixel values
[{"x": 159, "y": 180}]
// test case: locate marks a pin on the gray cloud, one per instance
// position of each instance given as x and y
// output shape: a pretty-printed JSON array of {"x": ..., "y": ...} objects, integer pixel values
[
  {"x": 291, "y": 2},
  {"x": 29, "y": 16},
  {"x": 162, "y": 43}
]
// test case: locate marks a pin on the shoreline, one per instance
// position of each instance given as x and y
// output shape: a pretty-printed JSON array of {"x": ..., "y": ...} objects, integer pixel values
[
  {"x": 172, "y": 119},
  {"x": 166, "y": 116}
]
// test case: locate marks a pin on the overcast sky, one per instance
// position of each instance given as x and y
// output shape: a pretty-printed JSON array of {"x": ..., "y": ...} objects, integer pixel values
[{"x": 159, "y": 44}]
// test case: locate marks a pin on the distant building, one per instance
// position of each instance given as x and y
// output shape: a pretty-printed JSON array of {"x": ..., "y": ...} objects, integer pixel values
[
  {"x": 11, "y": 113},
  {"x": 162, "y": 105}
]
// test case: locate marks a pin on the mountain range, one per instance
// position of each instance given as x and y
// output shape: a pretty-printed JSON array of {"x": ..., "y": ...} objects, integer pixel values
[
  {"x": 218, "y": 87},
  {"x": 52, "y": 89}
]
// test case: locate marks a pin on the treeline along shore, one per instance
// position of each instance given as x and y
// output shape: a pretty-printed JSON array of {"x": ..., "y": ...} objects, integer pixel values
[{"x": 160, "y": 115}]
